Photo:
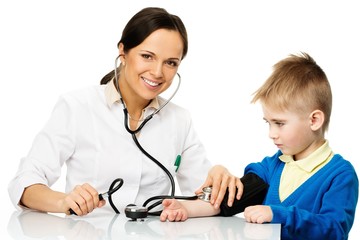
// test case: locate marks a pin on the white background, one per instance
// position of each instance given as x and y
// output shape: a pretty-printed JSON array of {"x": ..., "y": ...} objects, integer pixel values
[{"x": 50, "y": 47}]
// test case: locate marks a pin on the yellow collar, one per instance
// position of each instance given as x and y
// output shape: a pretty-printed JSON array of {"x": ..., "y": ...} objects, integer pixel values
[{"x": 313, "y": 160}]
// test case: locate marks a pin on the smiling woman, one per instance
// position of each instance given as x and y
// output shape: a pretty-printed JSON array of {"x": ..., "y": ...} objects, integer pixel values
[
  {"x": 148, "y": 70},
  {"x": 83, "y": 131}
]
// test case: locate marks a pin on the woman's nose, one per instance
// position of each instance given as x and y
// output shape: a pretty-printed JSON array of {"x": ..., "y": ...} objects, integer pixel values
[{"x": 157, "y": 70}]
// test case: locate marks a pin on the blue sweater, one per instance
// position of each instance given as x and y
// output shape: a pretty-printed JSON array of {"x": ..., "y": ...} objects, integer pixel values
[{"x": 323, "y": 207}]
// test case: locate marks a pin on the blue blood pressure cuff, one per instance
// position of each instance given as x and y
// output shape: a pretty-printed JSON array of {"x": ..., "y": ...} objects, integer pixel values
[{"x": 254, "y": 193}]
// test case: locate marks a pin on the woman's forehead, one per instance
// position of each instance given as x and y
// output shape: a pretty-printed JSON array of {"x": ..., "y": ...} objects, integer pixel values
[{"x": 164, "y": 42}]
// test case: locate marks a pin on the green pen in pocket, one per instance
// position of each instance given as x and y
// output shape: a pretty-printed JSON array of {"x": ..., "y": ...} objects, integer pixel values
[{"x": 177, "y": 162}]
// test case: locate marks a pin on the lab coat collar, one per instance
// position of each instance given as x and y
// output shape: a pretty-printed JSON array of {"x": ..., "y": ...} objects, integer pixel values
[{"x": 112, "y": 96}]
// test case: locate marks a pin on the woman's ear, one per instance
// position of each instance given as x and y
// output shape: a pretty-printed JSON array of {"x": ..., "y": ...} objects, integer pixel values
[
  {"x": 317, "y": 118},
  {"x": 122, "y": 53}
]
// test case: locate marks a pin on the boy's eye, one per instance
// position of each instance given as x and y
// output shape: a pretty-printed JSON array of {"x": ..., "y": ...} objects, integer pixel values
[{"x": 279, "y": 123}]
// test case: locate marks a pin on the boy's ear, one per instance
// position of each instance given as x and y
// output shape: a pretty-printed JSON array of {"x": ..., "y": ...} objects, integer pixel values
[{"x": 317, "y": 118}]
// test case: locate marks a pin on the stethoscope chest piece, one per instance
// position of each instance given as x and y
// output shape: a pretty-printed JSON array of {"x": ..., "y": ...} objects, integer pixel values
[{"x": 206, "y": 194}]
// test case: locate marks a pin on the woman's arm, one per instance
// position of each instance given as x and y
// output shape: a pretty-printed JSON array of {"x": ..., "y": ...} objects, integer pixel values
[{"x": 82, "y": 200}]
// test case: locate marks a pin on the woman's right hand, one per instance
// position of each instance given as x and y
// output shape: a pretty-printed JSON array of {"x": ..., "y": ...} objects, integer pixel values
[
  {"x": 221, "y": 180},
  {"x": 83, "y": 199}
]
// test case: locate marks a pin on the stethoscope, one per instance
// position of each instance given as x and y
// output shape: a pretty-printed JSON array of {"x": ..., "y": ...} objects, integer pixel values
[
  {"x": 132, "y": 211},
  {"x": 140, "y": 212}
]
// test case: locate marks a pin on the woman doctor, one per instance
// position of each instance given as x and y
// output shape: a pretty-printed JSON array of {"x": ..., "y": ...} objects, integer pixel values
[{"x": 86, "y": 131}]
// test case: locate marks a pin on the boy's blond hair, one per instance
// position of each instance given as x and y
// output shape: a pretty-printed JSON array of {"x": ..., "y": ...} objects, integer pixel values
[{"x": 297, "y": 84}]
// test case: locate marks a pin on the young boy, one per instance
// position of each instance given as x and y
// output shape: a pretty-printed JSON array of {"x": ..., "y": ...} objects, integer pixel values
[{"x": 312, "y": 192}]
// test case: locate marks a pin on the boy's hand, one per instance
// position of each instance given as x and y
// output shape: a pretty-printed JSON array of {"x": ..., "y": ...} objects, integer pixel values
[
  {"x": 173, "y": 211},
  {"x": 258, "y": 214}
]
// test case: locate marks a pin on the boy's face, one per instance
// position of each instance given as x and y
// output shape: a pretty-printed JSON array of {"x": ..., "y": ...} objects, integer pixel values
[{"x": 290, "y": 131}]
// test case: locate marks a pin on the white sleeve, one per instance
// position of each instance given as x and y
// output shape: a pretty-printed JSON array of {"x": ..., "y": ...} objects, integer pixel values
[
  {"x": 194, "y": 163},
  {"x": 51, "y": 147}
]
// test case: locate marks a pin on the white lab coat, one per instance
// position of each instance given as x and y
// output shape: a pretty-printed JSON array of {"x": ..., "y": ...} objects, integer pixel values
[{"x": 88, "y": 135}]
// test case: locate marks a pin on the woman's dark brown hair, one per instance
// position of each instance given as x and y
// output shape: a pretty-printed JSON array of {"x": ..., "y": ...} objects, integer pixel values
[{"x": 145, "y": 22}]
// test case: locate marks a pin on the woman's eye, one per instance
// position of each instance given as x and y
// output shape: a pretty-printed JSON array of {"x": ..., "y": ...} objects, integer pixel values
[
  {"x": 146, "y": 56},
  {"x": 172, "y": 63}
]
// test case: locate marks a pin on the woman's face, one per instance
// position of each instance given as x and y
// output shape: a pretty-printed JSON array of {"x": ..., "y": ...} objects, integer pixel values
[{"x": 149, "y": 68}]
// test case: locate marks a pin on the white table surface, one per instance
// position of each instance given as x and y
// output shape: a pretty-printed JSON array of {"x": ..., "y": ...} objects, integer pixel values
[{"x": 35, "y": 225}]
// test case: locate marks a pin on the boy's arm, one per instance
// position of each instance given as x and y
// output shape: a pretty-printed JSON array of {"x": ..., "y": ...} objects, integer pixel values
[
  {"x": 175, "y": 210},
  {"x": 254, "y": 192}
]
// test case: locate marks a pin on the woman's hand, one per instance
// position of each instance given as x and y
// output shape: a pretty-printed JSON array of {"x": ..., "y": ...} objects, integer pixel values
[
  {"x": 221, "y": 180},
  {"x": 173, "y": 211},
  {"x": 83, "y": 199}
]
